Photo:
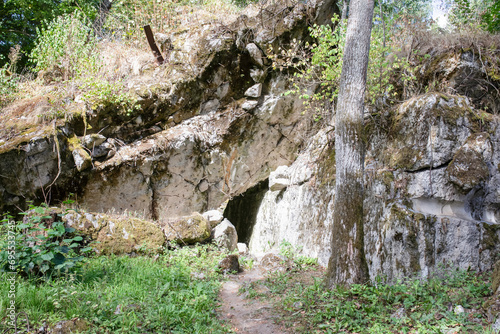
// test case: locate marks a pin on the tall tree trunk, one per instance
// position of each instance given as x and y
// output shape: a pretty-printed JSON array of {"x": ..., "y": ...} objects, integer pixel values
[{"x": 347, "y": 263}]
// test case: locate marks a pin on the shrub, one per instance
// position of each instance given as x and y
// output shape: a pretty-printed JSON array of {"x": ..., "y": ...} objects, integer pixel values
[
  {"x": 66, "y": 44},
  {"x": 41, "y": 245}
]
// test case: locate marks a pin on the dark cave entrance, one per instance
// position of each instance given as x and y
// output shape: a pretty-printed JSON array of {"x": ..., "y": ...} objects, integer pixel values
[{"x": 242, "y": 210}]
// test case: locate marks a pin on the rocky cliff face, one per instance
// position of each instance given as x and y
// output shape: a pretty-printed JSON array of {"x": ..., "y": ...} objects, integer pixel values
[
  {"x": 219, "y": 133},
  {"x": 431, "y": 192}
]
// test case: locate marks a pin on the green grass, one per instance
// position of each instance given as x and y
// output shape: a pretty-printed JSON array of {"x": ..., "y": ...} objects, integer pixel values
[
  {"x": 425, "y": 306},
  {"x": 129, "y": 295}
]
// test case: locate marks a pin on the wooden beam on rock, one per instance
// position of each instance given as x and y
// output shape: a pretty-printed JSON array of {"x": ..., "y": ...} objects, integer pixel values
[{"x": 152, "y": 44}]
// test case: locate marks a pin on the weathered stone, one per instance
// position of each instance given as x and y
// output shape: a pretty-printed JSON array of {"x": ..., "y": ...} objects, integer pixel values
[
  {"x": 496, "y": 326},
  {"x": 399, "y": 314},
  {"x": 116, "y": 234},
  {"x": 254, "y": 91},
  {"x": 242, "y": 248},
  {"x": 468, "y": 167},
  {"x": 190, "y": 229},
  {"x": 272, "y": 261},
  {"x": 82, "y": 158},
  {"x": 279, "y": 179},
  {"x": 256, "y": 54},
  {"x": 258, "y": 75},
  {"x": 230, "y": 264},
  {"x": 437, "y": 224},
  {"x": 209, "y": 106},
  {"x": 93, "y": 140},
  {"x": 225, "y": 235},
  {"x": 126, "y": 235},
  {"x": 214, "y": 217},
  {"x": 101, "y": 150},
  {"x": 459, "y": 309},
  {"x": 249, "y": 105}
]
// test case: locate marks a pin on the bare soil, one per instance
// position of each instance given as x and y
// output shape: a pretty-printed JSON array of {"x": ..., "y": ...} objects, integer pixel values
[{"x": 252, "y": 315}]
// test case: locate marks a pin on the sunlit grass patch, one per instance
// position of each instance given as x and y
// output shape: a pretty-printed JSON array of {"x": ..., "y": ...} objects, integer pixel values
[{"x": 129, "y": 295}]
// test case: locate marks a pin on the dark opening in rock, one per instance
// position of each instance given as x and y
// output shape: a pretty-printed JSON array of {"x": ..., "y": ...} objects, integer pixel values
[{"x": 242, "y": 210}]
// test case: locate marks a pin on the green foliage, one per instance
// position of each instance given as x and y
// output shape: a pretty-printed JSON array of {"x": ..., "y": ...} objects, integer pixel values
[
  {"x": 475, "y": 14},
  {"x": 20, "y": 20},
  {"x": 66, "y": 44},
  {"x": 410, "y": 306},
  {"x": 491, "y": 17},
  {"x": 320, "y": 64},
  {"x": 130, "y": 295},
  {"x": 41, "y": 246},
  {"x": 100, "y": 94}
]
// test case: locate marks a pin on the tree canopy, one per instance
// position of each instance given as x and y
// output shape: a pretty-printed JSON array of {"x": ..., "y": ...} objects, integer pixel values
[{"x": 20, "y": 20}]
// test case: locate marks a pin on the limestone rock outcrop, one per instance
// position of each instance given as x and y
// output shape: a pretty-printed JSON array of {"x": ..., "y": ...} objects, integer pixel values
[
  {"x": 213, "y": 127},
  {"x": 431, "y": 192}
]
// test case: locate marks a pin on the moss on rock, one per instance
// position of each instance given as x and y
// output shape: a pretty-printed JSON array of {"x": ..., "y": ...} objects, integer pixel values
[
  {"x": 127, "y": 235},
  {"x": 468, "y": 167},
  {"x": 189, "y": 229},
  {"x": 116, "y": 235}
]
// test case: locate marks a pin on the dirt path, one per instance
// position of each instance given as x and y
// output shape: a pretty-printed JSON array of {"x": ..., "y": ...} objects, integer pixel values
[{"x": 247, "y": 316}]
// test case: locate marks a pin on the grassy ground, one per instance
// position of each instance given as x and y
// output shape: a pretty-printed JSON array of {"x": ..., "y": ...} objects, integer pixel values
[
  {"x": 450, "y": 303},
  {"x": 174, "y": 293}
]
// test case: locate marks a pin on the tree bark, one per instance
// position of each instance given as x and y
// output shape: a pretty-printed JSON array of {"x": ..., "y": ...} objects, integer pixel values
[{"x": 347, "y": 263}]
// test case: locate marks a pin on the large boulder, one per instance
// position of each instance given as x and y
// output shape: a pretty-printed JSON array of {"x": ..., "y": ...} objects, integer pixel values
[
  {"x": 225, "y": 235},
  {"x": 188, "y": 229},
  {"x": 116, "y": 234}
]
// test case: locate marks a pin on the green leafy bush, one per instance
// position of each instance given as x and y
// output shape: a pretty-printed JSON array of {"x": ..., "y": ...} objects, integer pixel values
[
  {"x": 66, "y": 44},
  {"x": 491, "y": 17},
  {"x": 317, "y": 67},
  {"x": 41, "y": 245}
]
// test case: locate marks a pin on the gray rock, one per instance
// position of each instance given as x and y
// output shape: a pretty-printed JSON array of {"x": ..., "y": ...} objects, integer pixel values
[
  {"x": 95, "y": 139},
  {"x": 242, "y": 248},
  {"x": 451, "y": 221},
  {"x": 468, "y": 167},
  {"x": 101, "y": 150},
  {"x": 272, "y": 261},
  {"x": 258, "y": 75},
  {"x": 230, "y": 264},
  {"x": 255, "y": 53},
  {"x": 225, "y": 235},
  {"x": 82, "y": 158},
  {"x": 187, "y": 230},
  {"x": 399, "y": 314},
  {"x": 71, "y": 326},
  {"x": 214, "y": 217},
  {"x": 210, "y": 105},
  {"x": 496, "y": 326},
  {"x": 254, "y": 91},
  {"x": 279, "y": 179},
  {"x": 249, "y": 105}
]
